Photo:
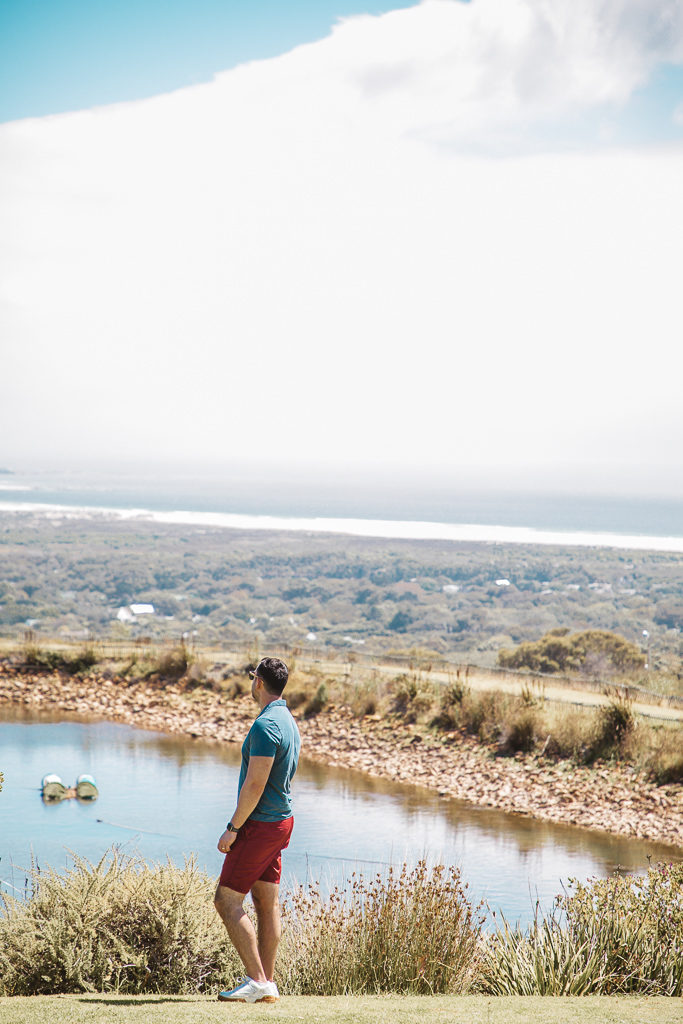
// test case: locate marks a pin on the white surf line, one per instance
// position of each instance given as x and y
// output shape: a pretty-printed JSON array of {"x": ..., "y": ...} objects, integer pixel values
[{"x": 385, "y": 528}]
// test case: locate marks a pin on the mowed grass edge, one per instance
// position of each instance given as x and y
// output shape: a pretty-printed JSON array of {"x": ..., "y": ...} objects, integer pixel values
[{"x": 103, "y": 1009}]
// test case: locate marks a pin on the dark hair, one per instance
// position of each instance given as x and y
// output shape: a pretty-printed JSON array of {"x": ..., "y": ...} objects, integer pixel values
[{"x": 274, "y": 674}]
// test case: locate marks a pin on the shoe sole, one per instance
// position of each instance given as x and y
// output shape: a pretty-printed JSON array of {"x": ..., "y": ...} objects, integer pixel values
[{"x": 264, "y": 999}]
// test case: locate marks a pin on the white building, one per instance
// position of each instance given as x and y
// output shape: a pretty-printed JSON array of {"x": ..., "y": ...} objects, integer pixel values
[{"x": 129, "y": 613}]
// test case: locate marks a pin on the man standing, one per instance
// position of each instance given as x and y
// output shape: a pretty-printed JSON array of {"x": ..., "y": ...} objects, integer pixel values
[{"x": 260, "y": 828}]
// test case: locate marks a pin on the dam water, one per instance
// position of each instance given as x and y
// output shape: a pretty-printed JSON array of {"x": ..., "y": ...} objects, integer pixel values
[{"x": 168, "y": 796}]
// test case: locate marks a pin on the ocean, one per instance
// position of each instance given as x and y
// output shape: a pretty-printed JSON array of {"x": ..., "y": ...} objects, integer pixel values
[{"x": 361, "y": 506}]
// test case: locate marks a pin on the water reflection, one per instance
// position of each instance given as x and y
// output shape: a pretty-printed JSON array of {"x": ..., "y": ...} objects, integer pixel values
[{"x": 170, "y": 796}]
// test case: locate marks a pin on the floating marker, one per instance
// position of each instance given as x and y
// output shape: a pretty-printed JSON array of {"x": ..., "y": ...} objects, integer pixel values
[
  {"x": 52, "y": 788},
  {"x": 86, "y": 788}
]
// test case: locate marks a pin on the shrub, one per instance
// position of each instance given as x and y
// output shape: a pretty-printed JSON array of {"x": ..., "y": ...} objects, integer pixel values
[
  {"x": 455, "y": 692},
  {"x": 364, "y": 695},
  {"x": 619, "y": 935},
  {"x": 482, "y": 714},
  {"x": 173, "y": 664},
  {"x": 519, "y": 733},
  {"x": 404, "y": 691},
  {"x": 317, "y": 701},
  {"x": 59, "y": 661},
  {"x": 295, "y": 699},
  {"x": 614, "y": 724},
  {"x": 409, "y": 931},
  {"x": 121, "y": 926},
  {"x": 594, "y": 650},
  {"x": 117, "y": 926},
  {"x": 569, "y": 733},
  {"x": 412, "y": 695},
  {"x": 667, "y": 768}
]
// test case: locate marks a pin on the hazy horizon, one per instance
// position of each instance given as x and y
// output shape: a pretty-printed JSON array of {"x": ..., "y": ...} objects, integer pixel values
[
  {"x": 394, "y": 483},
  {"x": 438, "y": 242}
]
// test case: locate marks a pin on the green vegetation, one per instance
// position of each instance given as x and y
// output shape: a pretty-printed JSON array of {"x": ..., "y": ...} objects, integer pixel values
[
  {"x": 121, "y": 927},
  {"x": 618, "y": 935},
  {"x": 238, "y": 589},
  {"x": 117, "y": 926},
  {"x": 60, "y": 661},
  {"x": 592, "y": 651}
]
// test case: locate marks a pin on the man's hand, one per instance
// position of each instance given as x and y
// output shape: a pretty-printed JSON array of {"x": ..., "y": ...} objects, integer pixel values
[{"x": 226, "y": 841}]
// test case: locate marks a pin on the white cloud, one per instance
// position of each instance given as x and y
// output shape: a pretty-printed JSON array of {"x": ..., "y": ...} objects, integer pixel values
[{"x": 283, "y": 263}]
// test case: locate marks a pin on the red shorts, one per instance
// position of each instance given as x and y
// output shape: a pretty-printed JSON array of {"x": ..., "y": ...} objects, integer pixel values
[{"x": 255, "y": 854}]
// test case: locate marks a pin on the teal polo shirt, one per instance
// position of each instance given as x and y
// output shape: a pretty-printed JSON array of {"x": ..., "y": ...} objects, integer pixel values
[{"x": 273, "y": 734}]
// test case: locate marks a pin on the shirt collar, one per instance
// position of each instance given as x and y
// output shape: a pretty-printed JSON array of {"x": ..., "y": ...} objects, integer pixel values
[{"x": 273, "y": 703}]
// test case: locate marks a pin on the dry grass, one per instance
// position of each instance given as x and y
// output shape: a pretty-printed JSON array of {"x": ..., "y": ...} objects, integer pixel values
[{"x": 410, "y": 931}]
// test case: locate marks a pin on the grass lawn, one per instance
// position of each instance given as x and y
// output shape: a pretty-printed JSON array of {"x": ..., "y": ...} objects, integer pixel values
[{"x": 101, "y": 1009}]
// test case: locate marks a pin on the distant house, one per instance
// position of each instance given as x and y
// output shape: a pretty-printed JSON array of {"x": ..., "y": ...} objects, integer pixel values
[{"x": 128, "y": 613}]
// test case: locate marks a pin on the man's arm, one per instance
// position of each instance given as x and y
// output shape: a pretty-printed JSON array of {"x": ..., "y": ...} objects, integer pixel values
[{"x": 250, "y": 794}]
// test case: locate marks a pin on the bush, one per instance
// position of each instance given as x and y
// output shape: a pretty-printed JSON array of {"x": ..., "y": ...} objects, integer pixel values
[
  {"x": 592, "y": 650},
  {"x": 172, "y": 664},
  {"x": 615, "y": 723},
  {"x": 519, "y": 733},
  {"x": 364, "y": 695},
  {"x": 317, "y": 702},
  {"x": 410, "y": 931},
  {"x": 121, "y": 926},
  {"x": 58, "y": 661},
  {"x": 620, "y": 935},
  {"x": 668, "y": 768},
  {"x": 412, "y": 695},
  {"x": 117, "y": 926}
]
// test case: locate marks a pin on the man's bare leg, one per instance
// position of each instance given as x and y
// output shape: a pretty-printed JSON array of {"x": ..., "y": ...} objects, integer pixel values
[
  {"x": 266, "y": 898},
  {"x": 228, "y": 903}
]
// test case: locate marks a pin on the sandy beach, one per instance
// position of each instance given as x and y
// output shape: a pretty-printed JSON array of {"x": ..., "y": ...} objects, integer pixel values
[{"x": 385, "y": 528}]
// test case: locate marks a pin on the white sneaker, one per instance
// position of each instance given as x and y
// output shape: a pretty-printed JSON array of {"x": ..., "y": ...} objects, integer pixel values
[{"x": 250, "y": 991}]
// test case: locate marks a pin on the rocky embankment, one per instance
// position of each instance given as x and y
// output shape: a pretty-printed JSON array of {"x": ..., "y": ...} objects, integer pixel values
[{"x": 612, "y": 799}]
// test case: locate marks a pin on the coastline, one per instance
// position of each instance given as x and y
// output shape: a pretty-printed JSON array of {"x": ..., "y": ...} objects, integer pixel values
[
  {"x": 613, "y": 799},
  {"x": 379, "y": 528}
]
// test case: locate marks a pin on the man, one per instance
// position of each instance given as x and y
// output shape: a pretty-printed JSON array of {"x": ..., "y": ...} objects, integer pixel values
[{"x": 260, "y": 828}]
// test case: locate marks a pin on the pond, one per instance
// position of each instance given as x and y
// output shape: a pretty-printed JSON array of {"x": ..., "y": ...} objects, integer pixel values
[{"x": 168, "y": 796}]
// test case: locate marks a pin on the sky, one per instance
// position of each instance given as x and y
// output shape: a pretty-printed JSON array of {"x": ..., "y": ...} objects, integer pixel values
[{"x": 335, "y": 234}]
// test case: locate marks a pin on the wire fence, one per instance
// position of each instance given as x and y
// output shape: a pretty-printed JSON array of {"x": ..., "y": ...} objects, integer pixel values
[{"x": 346, "y": 660}]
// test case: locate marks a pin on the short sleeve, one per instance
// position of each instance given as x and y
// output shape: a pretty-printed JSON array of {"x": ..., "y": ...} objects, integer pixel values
[{"x": 265, "y": 739}]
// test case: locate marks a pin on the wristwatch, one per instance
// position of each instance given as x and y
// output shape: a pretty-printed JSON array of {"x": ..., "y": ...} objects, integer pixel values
[{"x": 231, "y": 828}]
